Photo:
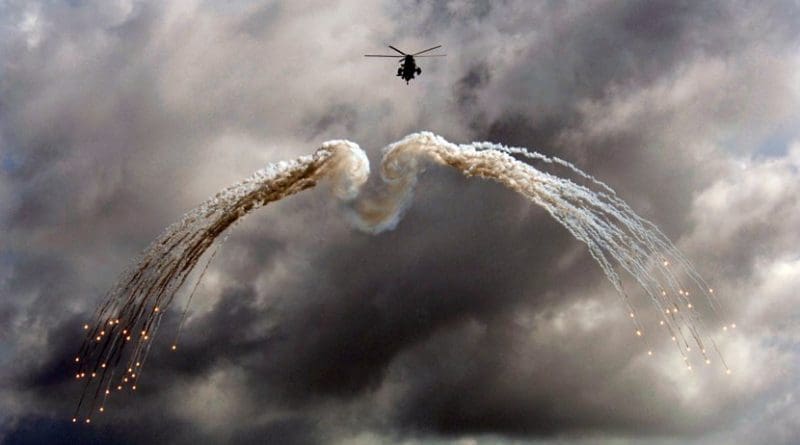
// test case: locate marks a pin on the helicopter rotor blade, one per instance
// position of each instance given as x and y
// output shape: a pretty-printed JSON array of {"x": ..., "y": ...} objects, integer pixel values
[
  {"x": 382, "y": 55},
  {"x": 432, "y": 55},
  {"x": 390, "y": 46},
  {"x": 426, "y": 50}
]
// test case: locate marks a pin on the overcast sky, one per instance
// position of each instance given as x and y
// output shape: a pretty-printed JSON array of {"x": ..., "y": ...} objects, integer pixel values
[{"x": 478, "y": 319}]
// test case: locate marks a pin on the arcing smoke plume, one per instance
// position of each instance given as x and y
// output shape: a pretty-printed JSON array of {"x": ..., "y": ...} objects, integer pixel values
[{"x": 119, "y": 339}]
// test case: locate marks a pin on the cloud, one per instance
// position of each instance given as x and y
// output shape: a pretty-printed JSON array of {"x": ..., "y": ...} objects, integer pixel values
[{"x": 477, "y": 318}]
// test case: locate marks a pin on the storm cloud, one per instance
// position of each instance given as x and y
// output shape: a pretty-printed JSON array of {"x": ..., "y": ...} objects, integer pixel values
[{"x": 479, "y": 318}]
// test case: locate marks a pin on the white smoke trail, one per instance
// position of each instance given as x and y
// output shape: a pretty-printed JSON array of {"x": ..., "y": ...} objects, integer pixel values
[
  {"x": 614, "y": 234},
  {"x": 120, "y": 333},
  {"x": 383, "y": 209}
]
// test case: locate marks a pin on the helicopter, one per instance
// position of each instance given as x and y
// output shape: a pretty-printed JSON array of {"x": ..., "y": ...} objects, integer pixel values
[{"x": 408, "y": 66}]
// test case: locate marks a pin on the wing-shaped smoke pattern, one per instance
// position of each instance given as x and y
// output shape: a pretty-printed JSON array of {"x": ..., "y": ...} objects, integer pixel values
[
  {"x": 118, "y": 341},
  {"x": 613, "y": 233}
]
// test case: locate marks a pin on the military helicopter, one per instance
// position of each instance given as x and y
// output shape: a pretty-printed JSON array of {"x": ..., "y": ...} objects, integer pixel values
[{"x": 408, "y": 66}]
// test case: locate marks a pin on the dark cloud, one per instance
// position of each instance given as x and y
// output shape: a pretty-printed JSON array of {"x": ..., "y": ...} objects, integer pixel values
[
  {"x": 292, "y": 431},
  {"x": 478, "y": 315},
  {"x": 337, "y": 119},
  {"x": 465, "y": 92},
  {"x": 33, "y": 430}
]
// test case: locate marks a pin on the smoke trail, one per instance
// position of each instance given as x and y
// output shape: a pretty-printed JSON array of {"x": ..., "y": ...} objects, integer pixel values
[
  {"x": 383, "y": 210},
  {"x": 118, "y": 340},
  {"x": 614, "y": 234}
]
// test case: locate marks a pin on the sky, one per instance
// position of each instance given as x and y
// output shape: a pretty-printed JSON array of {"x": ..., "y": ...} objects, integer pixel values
[{"x": 478, "y": 319}]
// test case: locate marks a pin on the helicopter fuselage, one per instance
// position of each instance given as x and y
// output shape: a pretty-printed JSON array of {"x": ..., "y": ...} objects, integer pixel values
[{"x": 408, "y": 68}]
